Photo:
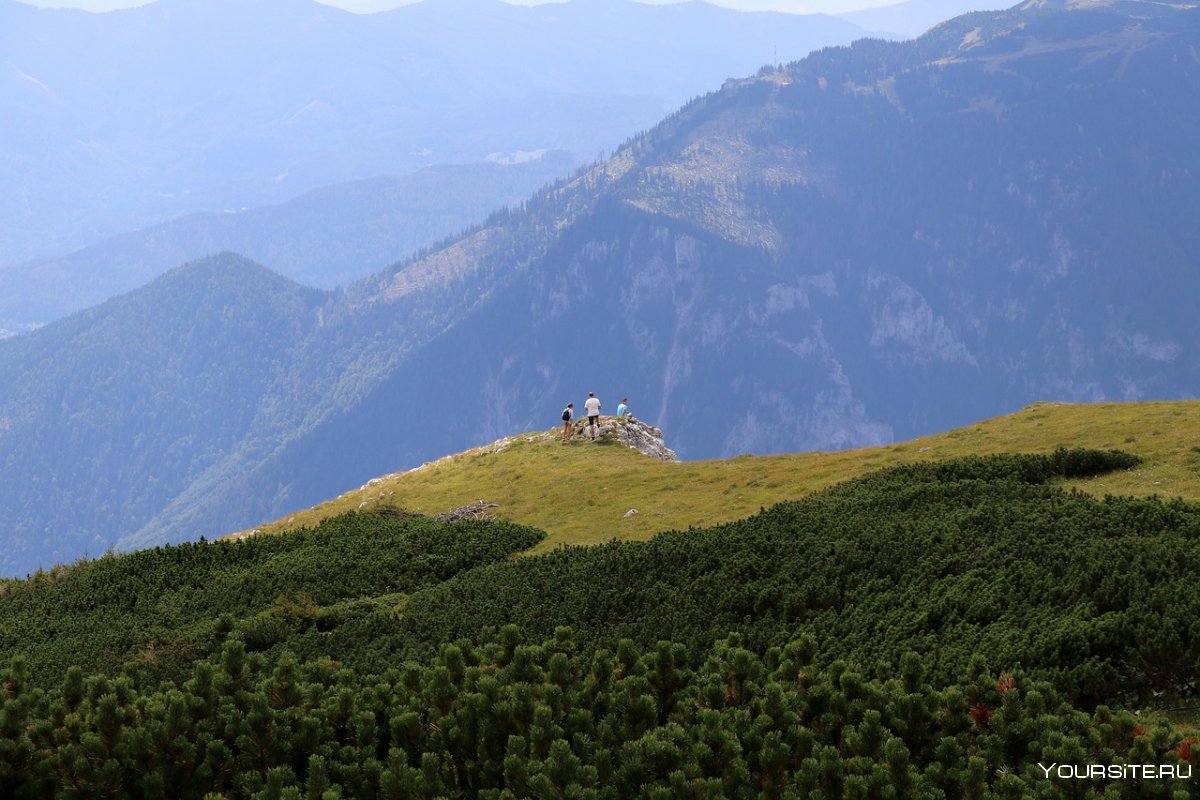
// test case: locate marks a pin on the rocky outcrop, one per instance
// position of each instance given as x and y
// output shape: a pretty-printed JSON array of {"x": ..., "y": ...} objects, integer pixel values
[
  {"x": 633, "y": 433},
  {"x": 474, "y": 511}
]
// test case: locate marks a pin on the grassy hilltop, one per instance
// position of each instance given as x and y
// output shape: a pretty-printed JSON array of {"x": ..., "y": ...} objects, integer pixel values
[{"x": 579, "y": 493}]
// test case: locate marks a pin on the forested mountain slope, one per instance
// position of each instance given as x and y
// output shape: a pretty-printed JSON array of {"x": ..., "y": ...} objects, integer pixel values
[
  {"x": 873, "y": 243},
  {"x": 118, "y": 407}
]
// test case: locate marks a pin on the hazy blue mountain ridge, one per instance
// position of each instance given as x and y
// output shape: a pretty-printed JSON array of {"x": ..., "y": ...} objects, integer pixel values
[
  {"x": 325, "y": 238},
  {"x": 877, "y": 242},
  {"x": 129, "y": 118}
]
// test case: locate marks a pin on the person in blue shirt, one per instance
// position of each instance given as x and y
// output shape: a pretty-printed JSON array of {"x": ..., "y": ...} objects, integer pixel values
[{"x": 623, "y": 409}]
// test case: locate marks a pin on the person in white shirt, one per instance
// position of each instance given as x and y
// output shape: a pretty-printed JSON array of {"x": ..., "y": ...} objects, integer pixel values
[{"x": 591, "y": 407}]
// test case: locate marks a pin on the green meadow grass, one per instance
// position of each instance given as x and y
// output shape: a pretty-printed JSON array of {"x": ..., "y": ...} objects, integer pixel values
[{"x": 579, "y": 493}]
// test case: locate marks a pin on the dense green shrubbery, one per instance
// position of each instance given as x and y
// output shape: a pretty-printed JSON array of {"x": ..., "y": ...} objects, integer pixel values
[
  {"x": 165, "y": 607},
  {"x": 511, "y": 719},
  {"x": 972, "y": 556},
  {"x": 950, "y": 559},
  {"x": 865, "y": 619}
]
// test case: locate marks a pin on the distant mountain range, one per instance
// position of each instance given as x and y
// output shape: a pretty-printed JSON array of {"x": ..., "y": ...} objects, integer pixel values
[
  {"x": 327, "y": 237},
  {"x": 127, "y": 119},
  {"x": 872, "y": 243},
  {"x": 913, "y": 17}
]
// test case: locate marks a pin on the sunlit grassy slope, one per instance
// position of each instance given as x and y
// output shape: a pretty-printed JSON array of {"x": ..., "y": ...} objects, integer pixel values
[{"x": 580, "y": 493}]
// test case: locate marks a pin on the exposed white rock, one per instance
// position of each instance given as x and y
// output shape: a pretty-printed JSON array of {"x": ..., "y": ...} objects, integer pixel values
[{"x": 633, "y": 433}]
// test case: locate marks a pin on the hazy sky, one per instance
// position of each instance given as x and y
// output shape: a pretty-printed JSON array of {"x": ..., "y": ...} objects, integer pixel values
[{"x": 794, "y": 6}]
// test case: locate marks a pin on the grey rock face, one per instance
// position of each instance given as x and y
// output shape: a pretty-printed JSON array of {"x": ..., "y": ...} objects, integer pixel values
[{"x": 631, "y": 432}]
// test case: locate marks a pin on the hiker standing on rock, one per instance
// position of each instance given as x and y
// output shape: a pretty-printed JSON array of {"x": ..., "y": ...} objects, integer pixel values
[
  {"x": 591, "y": 407},
  {"x": 568, "y": 414}
]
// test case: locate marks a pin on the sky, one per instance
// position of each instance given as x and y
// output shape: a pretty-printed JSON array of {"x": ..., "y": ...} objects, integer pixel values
[{"x": 793, "y": 6}]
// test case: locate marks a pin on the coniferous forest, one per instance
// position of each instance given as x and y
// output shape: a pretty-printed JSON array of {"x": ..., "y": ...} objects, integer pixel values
[{"x": 935, "y": 630}]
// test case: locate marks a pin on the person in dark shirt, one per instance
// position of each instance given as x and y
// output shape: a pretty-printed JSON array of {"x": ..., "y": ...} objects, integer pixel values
[{"x": 567, "y": 415}]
